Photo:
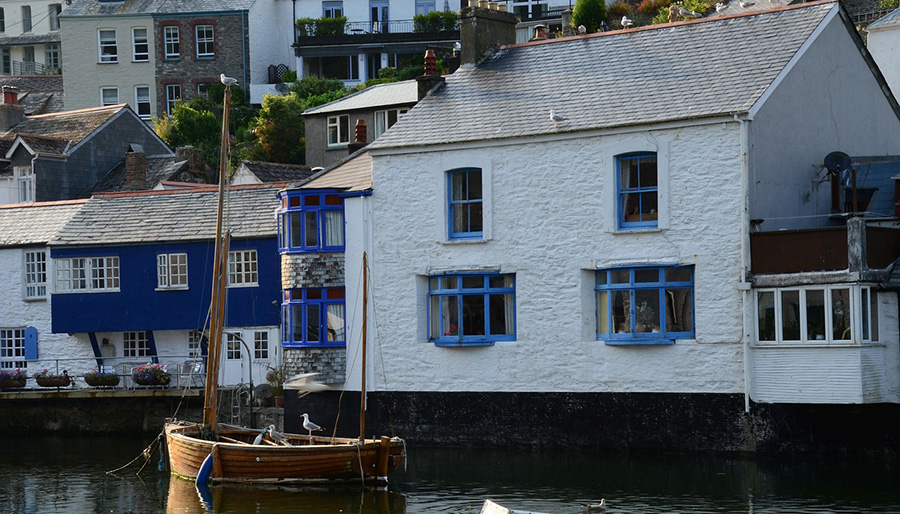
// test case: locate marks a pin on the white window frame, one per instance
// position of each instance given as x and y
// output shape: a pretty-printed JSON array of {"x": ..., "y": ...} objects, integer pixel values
[
  {"x": 87, "y": 274},
  {"x": 861, "y": 331},
  {"x": 171, "y": 42},
  {"x": 232, "y": 346},
  {"x": 54, "y": 10},
  {"x": 335, "y": 124},
  {"x": 104, "y": 101},
  {"x": 173, "y": 95},
  {"x": 142, "y": 55},
  {"x": 27, "y": 24},
  {"x": 35, "y": 274},
  {"x": 135, "y": 344},
  {"x": 243, "y": 268},
  {"x": 203, "y": 90},
  {"x": 25, "y": 187},
  {"x": 207, "y": 41},
  {"x": 142, "y": 103},
  {"x": 383, "y": 119},
  {"x": 107, "y": 43},
  {"x": 171, "y": 271},
  {"x": 193, "y": 343},
  {"x": 12, "y": 348},
  {"x": 261, "y": 349},
  {"x": 52, "y": 55}
]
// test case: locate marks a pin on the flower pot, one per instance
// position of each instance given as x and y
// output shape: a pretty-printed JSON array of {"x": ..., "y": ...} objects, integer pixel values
[
  {"x": 279, "y": 401},
  {"x": 101, "y": 379},
  {"x": 52, "y": 381},
  {"x": 152, "y": 380},
  {"x": 12, "y": 382}
]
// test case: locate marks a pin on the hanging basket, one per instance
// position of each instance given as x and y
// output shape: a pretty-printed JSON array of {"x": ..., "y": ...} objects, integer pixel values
[
  {"x": 101, "y": 379},
  {"x": 156, "y": 379},
  {"x": 53, "y": 381},
  {"x": 12, "y": 381}
]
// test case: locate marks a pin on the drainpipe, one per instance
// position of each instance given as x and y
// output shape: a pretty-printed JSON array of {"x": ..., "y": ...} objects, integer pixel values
[
  {"x": 744, "y": 285},
  {"x": 34, "y": 177}
]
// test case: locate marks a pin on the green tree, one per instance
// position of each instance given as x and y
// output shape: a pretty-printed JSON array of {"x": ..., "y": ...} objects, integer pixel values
[
  {"x": 190, "y": 126},
  {"x": 589, "y": 13},
  {"x": 316, "y": 86},
  {"x": 280, "y": 130}
]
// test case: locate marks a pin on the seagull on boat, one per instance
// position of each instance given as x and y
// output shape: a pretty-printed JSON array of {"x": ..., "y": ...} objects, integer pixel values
[
  {"x": 594, "y": 507},
  {"x": 278, "y": 437},
  {"x": 228, "y": 81},
  {"x": 626, "y": 22},
  {"x": 557, "y": 118},
  {"x": 309, "y": 425}
]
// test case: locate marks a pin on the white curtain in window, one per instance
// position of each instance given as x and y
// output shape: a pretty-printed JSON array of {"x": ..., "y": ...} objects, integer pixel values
[
  {"x": 335, "y": 322},
  {"x": 334, "y": 228}
]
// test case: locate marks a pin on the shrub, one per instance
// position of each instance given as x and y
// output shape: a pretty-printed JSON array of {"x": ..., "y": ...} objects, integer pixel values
[
  {"x": 435, "y": 21},
  {"x": 321, "y": 26},
  {"x": 652, "y": 7},
  {"x": 618, "y": 9},
  {"x": 589, "y": 13}
]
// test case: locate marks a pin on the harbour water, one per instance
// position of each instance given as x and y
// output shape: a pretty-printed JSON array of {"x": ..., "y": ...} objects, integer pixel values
[{"x": 45, "y": 475}]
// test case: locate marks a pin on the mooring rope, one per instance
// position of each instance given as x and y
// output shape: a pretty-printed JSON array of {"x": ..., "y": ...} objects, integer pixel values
[{"x": 148, "y": 451}]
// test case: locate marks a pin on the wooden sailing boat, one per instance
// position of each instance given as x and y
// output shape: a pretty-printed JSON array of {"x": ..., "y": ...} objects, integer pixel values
[{"x": 224, "y": 453}]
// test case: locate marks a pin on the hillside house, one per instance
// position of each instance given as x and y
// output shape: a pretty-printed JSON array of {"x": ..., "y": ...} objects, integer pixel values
[
  {"x": 598, "y": 271},
  {"x": 133, "y": 278},
  {"x": 61, "y": 156},
  {"x": 30, "y": 37}
]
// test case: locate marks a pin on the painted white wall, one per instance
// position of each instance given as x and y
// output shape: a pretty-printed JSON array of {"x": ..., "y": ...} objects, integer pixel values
[
  {"x": 271, "y": 36},
  {"x": 884, "y": 45},
  {"x": 85, "y": 75},
  {"x": 358, "y": 10},
  {"x": 549, "y": 224},
  {"x": 15, "y": 312},
  {"x": 828, "y": 101},
  {"x": 8, "y": 191}
]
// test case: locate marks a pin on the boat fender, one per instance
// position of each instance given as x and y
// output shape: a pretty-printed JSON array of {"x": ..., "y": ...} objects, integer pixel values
[{"x": 205, "y": 470}]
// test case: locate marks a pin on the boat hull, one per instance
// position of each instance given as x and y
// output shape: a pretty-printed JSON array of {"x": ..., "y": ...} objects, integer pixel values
[{"x": 307, "y": 458}]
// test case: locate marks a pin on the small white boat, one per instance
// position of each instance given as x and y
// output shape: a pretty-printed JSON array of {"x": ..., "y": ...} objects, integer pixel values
[{"x": 490, "y": 507}]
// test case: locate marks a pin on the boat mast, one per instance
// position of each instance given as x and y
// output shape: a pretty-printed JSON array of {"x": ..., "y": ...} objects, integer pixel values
[
  {"x": 217, "y": 304},
  {"x": 362, "y": 389}
]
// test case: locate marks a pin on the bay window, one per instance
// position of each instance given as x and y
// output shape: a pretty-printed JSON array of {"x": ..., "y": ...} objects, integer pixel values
[
  {"x": 312, "y": 222},
  {"x": 817, "y": 314},
  {"x": 314, "y": 317}
]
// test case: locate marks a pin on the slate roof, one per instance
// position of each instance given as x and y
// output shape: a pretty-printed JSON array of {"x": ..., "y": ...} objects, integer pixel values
[
  {"x": 278, "y": 172},
  {"x": 38, "y": 94},
  {"x": 68, "y": 126},
  {"x": 30, "y": 39},
  {"x": 372, "y": 97},
  {"x": 150, "y": 217},
  {"x": 159, "y": 168},
  {"x": 131, "y": 7},
  {"x": 706, "y": 67},
  {"x": 34, "y": 223},
  {"x": 352, "y": 174},
  {"x": 890, "y": 20}
]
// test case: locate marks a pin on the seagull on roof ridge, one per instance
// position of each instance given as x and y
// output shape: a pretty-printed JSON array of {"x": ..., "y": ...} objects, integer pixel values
[
  {"x": 687, "y": 14},
  {"x": 720, "y": 6},
  {"x": 582, "y": 29},
  {"x": 228, "y": 81},
  {"x": 626, "y": 22}
]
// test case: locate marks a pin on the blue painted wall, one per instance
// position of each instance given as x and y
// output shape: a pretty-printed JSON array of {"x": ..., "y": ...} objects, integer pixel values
[{"x": 139, "y": 306}]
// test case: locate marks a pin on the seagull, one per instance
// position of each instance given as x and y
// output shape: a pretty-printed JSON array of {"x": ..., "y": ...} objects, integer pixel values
[
  {"x": 582, "y": 30},
  {"x": 745, "y": 4},
  {"x": 626, "y": 22},
  {"x": 603, "y": 27},
  {"x": 278, "y": 437},
  {"x": 309, "y": 425},
  {"x": 557, "y": 118},
  {"x": 720, "y": 6},
  {"x": 686, "y": 14},
  {"x": 305, "y": 382},
  {"x": 594, "y": 507},
  {"x": 259, "y": 438},
  {"x": 228, "y": 81}
]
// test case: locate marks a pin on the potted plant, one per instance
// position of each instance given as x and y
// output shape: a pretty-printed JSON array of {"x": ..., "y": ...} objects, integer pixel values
[
  {"x": 13, "y": 379},
  {"x": 275, "y": 378},
  {"x": 45, "y": 378},
  {"x": 97, "y": 378},
  {"x": 151, "y": 375}
]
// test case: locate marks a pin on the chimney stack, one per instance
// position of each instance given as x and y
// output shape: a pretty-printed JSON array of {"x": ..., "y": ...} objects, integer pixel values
[
  {"x": 431, "y": 79},
  {"x": 135, "y": 171},
  {"x": 482, "y": 30},
  {"x": 359, "y": 136},
  {"x": 11, "y": 112}
]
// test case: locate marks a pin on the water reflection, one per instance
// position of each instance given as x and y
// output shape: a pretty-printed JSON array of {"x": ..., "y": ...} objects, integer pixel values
[{"x": 183, "y": 497}]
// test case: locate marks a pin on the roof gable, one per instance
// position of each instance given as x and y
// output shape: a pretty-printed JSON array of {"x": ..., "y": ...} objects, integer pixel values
[
  {"x": 662, "y": 73},
  {"x": 69, "y": 126}
]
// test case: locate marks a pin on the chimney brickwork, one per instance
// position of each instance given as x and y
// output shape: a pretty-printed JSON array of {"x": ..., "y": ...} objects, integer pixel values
[
  {"x": 11, "y": 113},
  {"x": 135, "y": 171},
  {"x": 481, "y": 31}
]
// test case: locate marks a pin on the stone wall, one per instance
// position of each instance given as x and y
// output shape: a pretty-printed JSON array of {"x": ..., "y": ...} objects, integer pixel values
[
  {"x": 307, "y": 270},
  {"x": 330, "y": 363}
]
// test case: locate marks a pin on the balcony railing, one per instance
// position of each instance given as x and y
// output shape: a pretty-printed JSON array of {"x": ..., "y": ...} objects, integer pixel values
[
  {"x": 357, "y": 28},
  {"x": 32, "y": 68}
]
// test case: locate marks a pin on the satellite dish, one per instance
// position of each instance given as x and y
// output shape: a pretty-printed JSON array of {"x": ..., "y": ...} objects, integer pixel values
[
  {"x": 263, "y": 391},
  {"x": 837, "y": 162}
]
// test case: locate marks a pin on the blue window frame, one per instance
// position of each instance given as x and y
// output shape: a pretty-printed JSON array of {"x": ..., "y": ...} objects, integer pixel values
[
  {"x": 471, "y": 309},
  {"x": 466, "y": 203},
  {"x": 645, "y": 305},
  {"x": 311, "y": 222},
  {"x": 637, "y": 191},
  {"x": 313, "y": 317}
]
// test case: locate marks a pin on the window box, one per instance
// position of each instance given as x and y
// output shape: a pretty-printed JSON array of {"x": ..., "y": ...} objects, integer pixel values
[
  {"x": 151, "y": 375},
  {"x": 45, "y": 379},
  {"x": 12, "y": 380},
  {"x": 98, "y": 379}
]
